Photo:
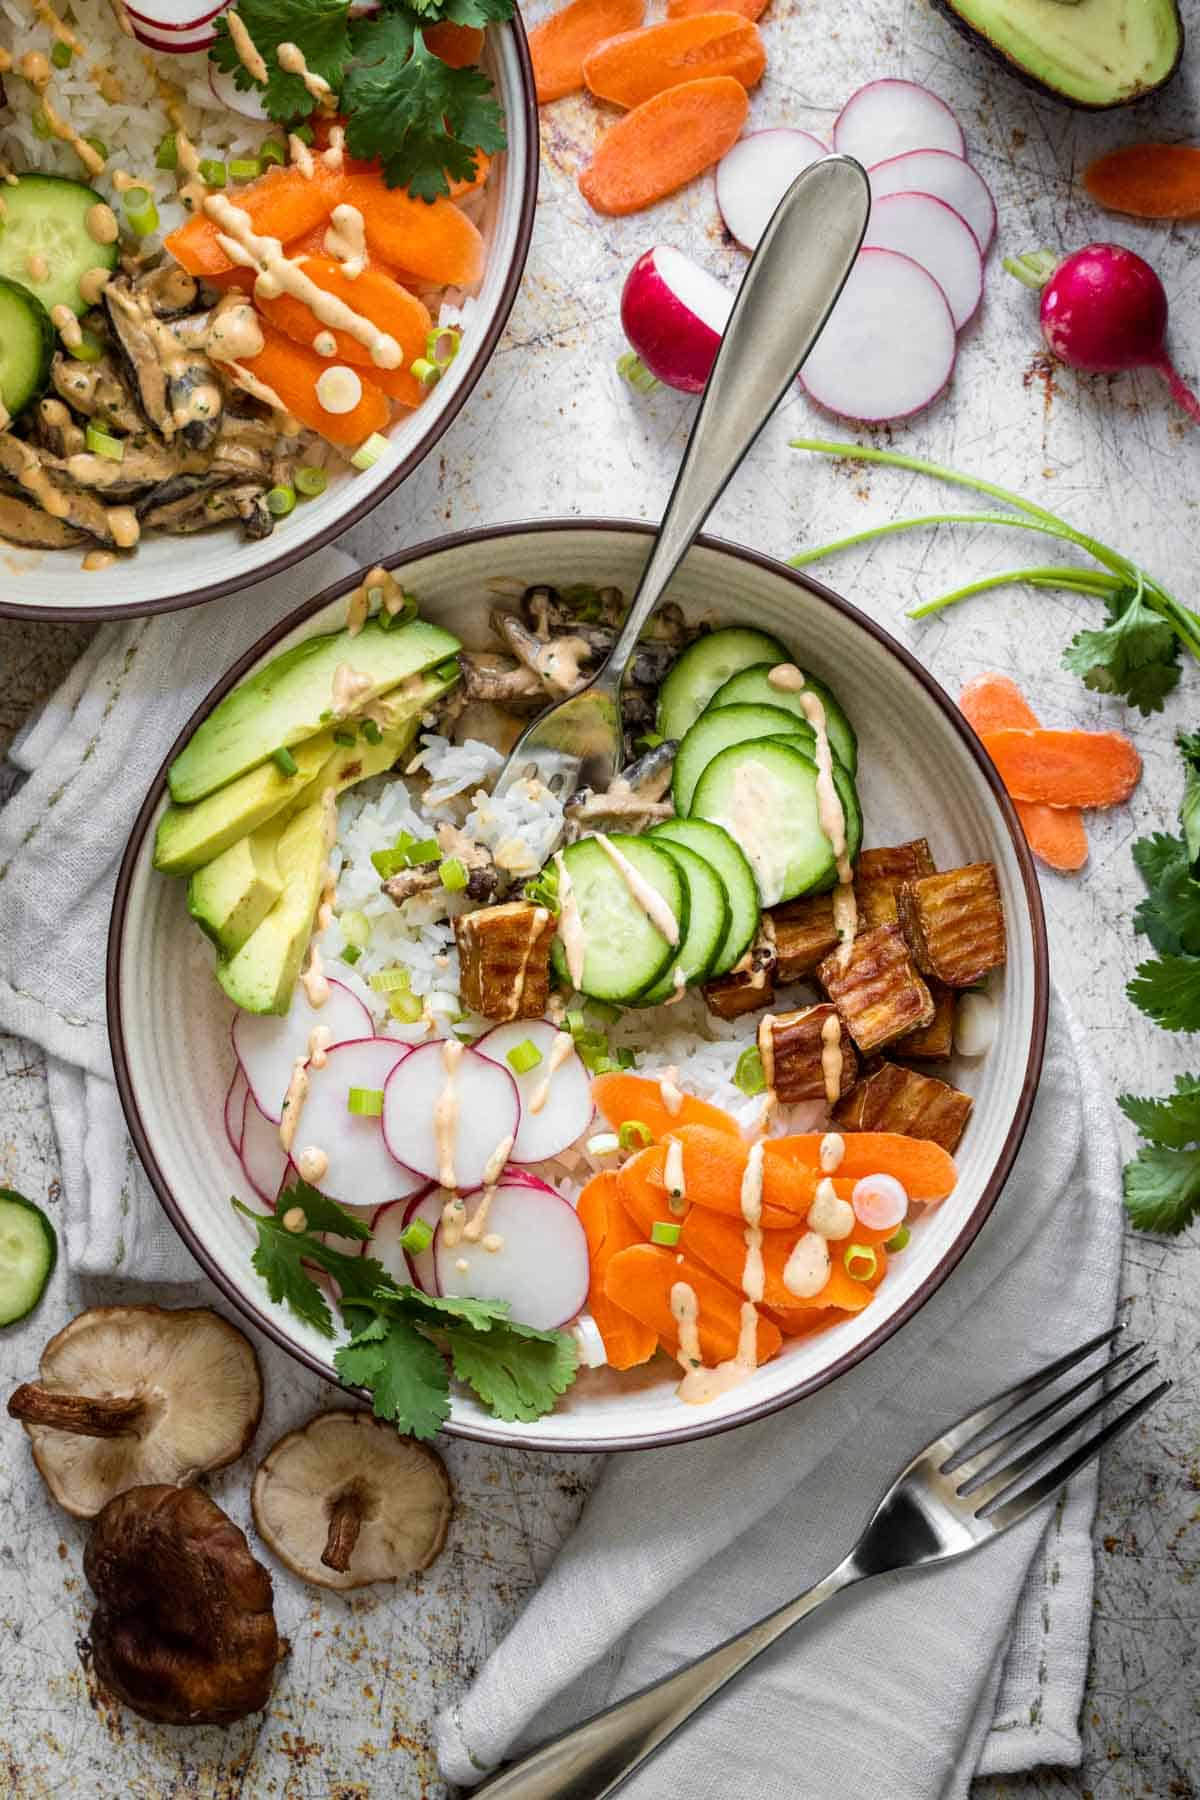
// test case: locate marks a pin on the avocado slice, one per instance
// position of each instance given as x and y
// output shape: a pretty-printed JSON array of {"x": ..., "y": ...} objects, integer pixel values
[
  {"x": 1090, "y": 53},
  {"x": 292, "y": 699},
  {"x": 232, "y": 895},
  {"x": 190, "y": 837}
]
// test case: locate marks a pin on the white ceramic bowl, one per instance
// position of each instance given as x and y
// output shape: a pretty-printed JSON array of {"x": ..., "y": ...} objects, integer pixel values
[
  {"x": 166, "y": 573},
  {"x": 922, "y": 772}
]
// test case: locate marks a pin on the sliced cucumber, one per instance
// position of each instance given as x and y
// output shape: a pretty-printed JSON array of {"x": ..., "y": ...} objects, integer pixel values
[
  {"x": 28, "y": 1253},
  {"x": 26, "y": 347},
  {"x": 718, "y": 849},
  {"x": 750, "y": 687},
  {"x": 705, "y": 666},
  {"x": 764, "y": 794},
  {"x": 624, "y": 951},
  {"x": 715, "y": 731},
  {"x": 708, "y": 922},
  {"x": 45, "y": 220}
]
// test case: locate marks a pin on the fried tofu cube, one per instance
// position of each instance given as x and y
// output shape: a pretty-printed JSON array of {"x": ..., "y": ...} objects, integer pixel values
[
  {"x": 879, "y": 992},
  {"x": 804, "y": 933},
  {"x": 878, "y": 874},
  {"x": 750, "y": 984},
  {"x": 889, "y": 1098},
  {"x": 954, "y": 923},
  {"x": 807, "y": 1055},
  {"x": 505, "y": 956},
  {"x": 933, "y": 1042}
]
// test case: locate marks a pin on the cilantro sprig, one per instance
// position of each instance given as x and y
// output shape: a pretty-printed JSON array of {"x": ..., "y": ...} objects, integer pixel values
[{"x": 403, "y": 1343}]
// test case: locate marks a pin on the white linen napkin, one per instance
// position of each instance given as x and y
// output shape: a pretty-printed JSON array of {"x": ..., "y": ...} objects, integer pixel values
[
  {"x": 90, "y": 756},
  {"x": 914, "y": 1683}
]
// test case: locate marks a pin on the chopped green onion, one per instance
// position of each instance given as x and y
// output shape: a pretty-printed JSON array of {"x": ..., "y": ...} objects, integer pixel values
[
  {"x": 305, "y": 133},
  {"x": 633, "y": 1135},
  {"x": 605, "y": 1143},
  {"x": 626, "y": 1059},
  {"x": 323, "y": 718},
  {"x": 403, "y": 615},
  {"x": 390, "y": 981},
  {"x": 102, "y": 443},
  {"x": 281, "y": 501},
  {"x": 607, "y": 1015},
  {"x": 632, "y": 369},
  {"x": 448, "y": 670},
  {"x": 365, "y": 1103},
  {"x": 453, "y": 874},
  {"x": 310, "y": 482},
  {"x": 416, "y": 1237},
  {"x": 61, "y": 55},
  {"x": 89, "y": 349},
  {"x": 898, "y": 1241},
  {"x": 245, "y": 168},
  {"x": 427, "y": 851},
  {"x": 663, "y": 1233},
  {"x": 860, "y": 1262},
  {"x": 140, "y": 211},
  {"x": 749, "y": 1075},
  {"x": 523, "y": 1057},
  {"x": 99, "y": 146},
  {"x": 41, "y": 124},
  {"x": 405, "y": 1007},
  {"x": 211, "y": 172},
  {"x": 346, "y": 739},
  {"x": 371, "y": 731},
  {"x": 369, "y": 452},
  {"x": 575, "y": 1021},
  {"x": 426, "y": 373},
  {"x": 543, "y": 891},
  {"x": 272, "y": 152},
  {"x": 389, "y": 862},
  {"x": 351, "y": 954},
  {"x": 356, "y": 928},
  {"x": 650, "y": 740},
  {"x": 167, "y": 154},
  {"x": 442, "y": 346},
  {"x": 284, "y": 761}
]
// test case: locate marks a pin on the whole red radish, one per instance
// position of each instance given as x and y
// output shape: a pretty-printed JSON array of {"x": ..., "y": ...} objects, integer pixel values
[{"x": 673, "y": 313}]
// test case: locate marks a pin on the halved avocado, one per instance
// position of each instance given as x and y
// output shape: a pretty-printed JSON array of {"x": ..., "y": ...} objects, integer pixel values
[{"x": 1090, "y": 53}]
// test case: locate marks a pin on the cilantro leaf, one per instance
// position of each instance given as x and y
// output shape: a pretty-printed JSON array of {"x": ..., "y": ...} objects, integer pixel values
[
  {"x": 404, "y": 1372},
  {"x": 424, "y": 120},
  {"x": 278, "y": 1258},
  {"x": 320, "y": 1214},
  {"x": 319, "y": 27},
  {"x": 1154, "y": 855},
  {"x": 1162, "y": 1189},
  {"x": 1170, "y": 914},
  {"x": 1189, "y": 807},
  {"x": 1173, "y": 1122},
  {"x": 439, "y": 1311},
  {"x": 1168, "y": 990},
  {"x": 517, "y": 1372},
  {"x": 1136, "y": 654}
]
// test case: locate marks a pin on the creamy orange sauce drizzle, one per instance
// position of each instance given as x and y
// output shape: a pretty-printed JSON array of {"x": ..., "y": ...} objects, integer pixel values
[
  {"x": 346, "y": 239},
  {"x": 829, "y": 1215},
  {"x": 291, "y": 59},
  {"x": 562, "y": 1048},
  {"x": 249, "y": 54},
  {"x": 786, "y": 677},
  {"x": 351, "y": 687},
  {"x": 832, "y": 1057},
  {"x": 807, "y": 1268},
  {"x": 293, "y": 1103},
  {"x": 312, "y": 1164},
  {"x": 537, "y": 924},
  {"x": 832, "y": 1152},
  {"x": 671, "y": 1092},
  {"x": 641, "y": 892},
  {"x": 570, "y": 925},
  {"x": 831, "y": 816},
  {"x": 674, "y": 1177},
  {"x": 445, "y": 1114}
]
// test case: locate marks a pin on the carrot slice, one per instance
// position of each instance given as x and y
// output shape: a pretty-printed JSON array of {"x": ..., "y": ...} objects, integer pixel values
[
  {"x": 1057, "y": 835},
  {"x": 640, "y": 1280},
  {"x": 609, "y": 1229},
  {"x": 559, "y": 44},
  {"x": 841, "y": 1290},
  {"x": 626, "y": 1099},
  {"x": 1148, "y": 181},
  {"x": 1066, "y": 768},
  {"x": 804, "y": 1323},
  {"x": 720, "y": 1244},
  {"x": 925, "y": 1170},
  {"x": 291, "y": 372},
  {"x": 663, "y": 143},
  {"x": 635, "y": 65},
  {"x": 687, "y": 9},
  {"x": 457, "y": 45},
  {"x": 435, "y": 242},
  {"x": 714, "y": 1163},
  {"x": 376, "y": 297},
  {"x": 643, "y": 1191},
  {"x": 282, "y": 204}
]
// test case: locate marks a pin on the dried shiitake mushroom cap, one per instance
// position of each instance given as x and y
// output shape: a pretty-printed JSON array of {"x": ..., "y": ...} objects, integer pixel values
[
  {"x": 134, "y": 1395},
  {"x": 346, "y": 1500},
  {"x": 184, "y": 1626}
]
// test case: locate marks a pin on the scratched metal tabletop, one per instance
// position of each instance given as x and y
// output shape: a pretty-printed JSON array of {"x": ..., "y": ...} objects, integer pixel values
[{"x": 552, "y": 430}]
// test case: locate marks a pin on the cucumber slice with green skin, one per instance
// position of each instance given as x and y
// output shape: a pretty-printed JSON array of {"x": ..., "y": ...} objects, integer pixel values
[
  {"x": 28, "y": 1253},
  {"x": 624, "y": 951},
  {"x": 708, "y": 922},
  {"x": 852, "y": 809},
  {"x": 718, "y": 849},
  {"x": 46, "y": 216},
  {"x": 715, "y": 731},
  {"x": 750, "y": 687},
  {"x": 764, "y": 794},
  {"x": 26, "y": 347},
  {"x": 706, "y": 666}
]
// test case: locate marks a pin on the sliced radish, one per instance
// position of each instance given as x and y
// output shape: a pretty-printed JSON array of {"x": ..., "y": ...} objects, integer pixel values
[
  {"x": 947, "y": 177},
  {"x": 248, "y": 104},
  {"x": 879, "y": 1202},
  {"x": 174, "y": 43},
  {"x": 485, "y": 1111},
  {"x": 235, "y": 1110},
  {"x": 755, "y": 175},
  {"x": 888, "y": 349},
  {"x": 267, "y": 1047},
  {"x": 932, "y": 234},
  {"x": 556, "y": 1096},
  {"x": 673, "y": 313},
  {"x": 537, "y": 1262},
  {"x": 166, "y": 16},
  {"x": 886, "y": 118},
  {"x": 359, "y": 1169},
  {"x": 587, "y": 1335},
  {"x": 263, "y": 1157},
  {"x": 391, "y": 1222}
]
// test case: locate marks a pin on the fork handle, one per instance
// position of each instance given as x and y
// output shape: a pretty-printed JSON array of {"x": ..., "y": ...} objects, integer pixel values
[
  {"x": 786, "y": 295},
  {"x": 599, "y": 1756}
]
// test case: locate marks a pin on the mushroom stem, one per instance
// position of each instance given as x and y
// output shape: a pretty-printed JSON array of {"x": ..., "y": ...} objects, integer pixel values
[
  {"x": 87, "y": 1415},
  {"x": 345, "y": 1523}
]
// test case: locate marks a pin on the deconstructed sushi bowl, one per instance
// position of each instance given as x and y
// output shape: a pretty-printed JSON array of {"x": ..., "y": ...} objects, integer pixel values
[{"x": 921, "y": 774}]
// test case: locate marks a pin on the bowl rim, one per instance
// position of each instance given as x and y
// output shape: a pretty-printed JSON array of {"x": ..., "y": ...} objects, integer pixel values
[
  {"x": 502, "y": 1434},
  {"x": 289, "y": 556}
]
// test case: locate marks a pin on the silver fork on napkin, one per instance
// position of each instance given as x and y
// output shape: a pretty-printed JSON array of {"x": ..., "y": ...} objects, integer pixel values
[{"x": 962, "y": 1490}]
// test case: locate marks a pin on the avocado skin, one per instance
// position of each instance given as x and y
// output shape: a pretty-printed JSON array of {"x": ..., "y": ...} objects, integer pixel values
[{"x": 976, "y": 36}]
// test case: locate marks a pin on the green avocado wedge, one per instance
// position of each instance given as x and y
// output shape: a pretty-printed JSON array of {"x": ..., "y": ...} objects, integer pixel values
[
  {"x": 190, "y": 837},
  {"x": 231, "y": 896},
  {"x": 1094, "y": 54}
]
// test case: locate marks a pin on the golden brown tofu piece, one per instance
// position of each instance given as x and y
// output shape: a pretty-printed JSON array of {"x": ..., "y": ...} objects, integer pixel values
[
  {"x": 878, "y": 873},
  {"x": 749, "y": 984},
  {"x": 505, "y": 956},
  {"x": 955, "y": 923},
  {"x": 804, "y": 933},
  {"x": 807, "y": 1055},
  {"x": 879, "y": 993},
  {"x": 933, "y": 1042},
  {"x": 889, "y": 1098}
]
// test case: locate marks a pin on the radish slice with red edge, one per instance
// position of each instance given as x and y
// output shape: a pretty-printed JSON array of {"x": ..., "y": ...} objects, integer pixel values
[
  {"x": 248, "y": 104},
  {"x": 485, "y": 1111},
  {"x": 888, "y": 349},
  {"x": 879, "y": 1202},
  {"x": 174, "y": 43},
  {"x": 537, "y": 1261},
  {"x": 755, "y": 175},
  {"x": 673, "y": 313},
  {"x": 932, "y": 234},
  {"x": 235, "y": 1111},
  {"x": 391, "y": 1222},
  {"x": 555, "y": 1095},
  {"x": 947, "y": 177},
  {"x": 358, "y": 1170},
  {"x": 886, "y": 118},
  {"x": 167, "y": 16},
  {"x": 263, "y": 1157},
  {"x": 267, "y": 1046}
]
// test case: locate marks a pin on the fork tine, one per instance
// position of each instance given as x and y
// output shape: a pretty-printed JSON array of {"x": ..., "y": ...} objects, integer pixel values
[
  {"x": 983, "y": 1460},
  {"x": 1001, "y": 1479},
  {"x": 1011, "y": 1512},
  {"x": 953, "y": 1443}
]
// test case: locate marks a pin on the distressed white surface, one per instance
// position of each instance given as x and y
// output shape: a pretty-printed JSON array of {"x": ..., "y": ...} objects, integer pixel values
[{"x": 549, "y": 431}]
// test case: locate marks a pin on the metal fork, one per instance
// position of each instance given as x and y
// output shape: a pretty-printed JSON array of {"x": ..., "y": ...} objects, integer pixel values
[
  {"x": 786, "y": 295},
  {"x": 962, "y": 1490}
]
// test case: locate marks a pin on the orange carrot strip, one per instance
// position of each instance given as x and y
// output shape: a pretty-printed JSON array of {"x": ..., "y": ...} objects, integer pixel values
[
  {"x": 1066, "y": 768},
  {"x": 643, "y": 1191},
  {"x": 713, "y": 1166},
  {"x": 609, "y": 1229},
  {"x": 720, "y": 1244},
  {"x": 625, "y": 1099},
  {"x": 635, "y": 65},
  {"x": 993, "y": 702},
  {"x": 925, "y": 1170},
  {"x": 663, "y": 143},
  {"x": 640, "y": 1281},
  {"x": 687, "y": 9},
  {"x": 1149, "y": 181},
  {"x": 375, "y": 296},
  {"x": 1057, "y": 835},
  {"x": 436, "y": 242},
  {"x": 282, "y": 204},
  {"x": 841, "y": 1290},
  {"x": 457, "y": 45},
  {"x": 804, "y": 1322},
  {"x": 291, "y": 372},
  {"x": 559, "y": 44}
]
